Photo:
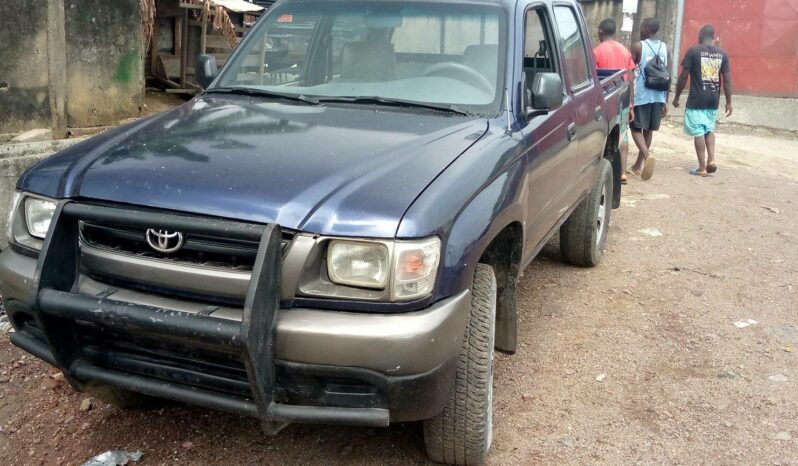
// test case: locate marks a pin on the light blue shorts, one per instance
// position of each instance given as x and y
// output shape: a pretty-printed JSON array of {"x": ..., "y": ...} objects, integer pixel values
[
  {"x": 699, "y": 121},
  {"x": 625, "y": 124}
]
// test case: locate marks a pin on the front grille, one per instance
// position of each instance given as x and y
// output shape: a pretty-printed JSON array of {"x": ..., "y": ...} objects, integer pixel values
[
  {"x": 206, "y": 251},
  {"x": 208, "y": 267}
]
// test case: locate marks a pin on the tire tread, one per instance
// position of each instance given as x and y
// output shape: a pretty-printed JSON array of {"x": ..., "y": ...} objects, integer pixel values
[{"x": 459, "y": 434}]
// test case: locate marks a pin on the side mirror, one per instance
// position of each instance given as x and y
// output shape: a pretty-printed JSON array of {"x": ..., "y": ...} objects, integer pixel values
[
  {"x": 206, "y": 70},
  {"x": 546, "y": 92}
]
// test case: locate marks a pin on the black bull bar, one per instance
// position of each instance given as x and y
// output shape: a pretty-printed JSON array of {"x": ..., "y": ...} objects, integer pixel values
[{"x": 58, "y": 307}]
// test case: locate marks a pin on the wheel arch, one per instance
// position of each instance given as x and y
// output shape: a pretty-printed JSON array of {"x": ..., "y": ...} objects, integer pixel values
[{"x": 504, "y": 254}]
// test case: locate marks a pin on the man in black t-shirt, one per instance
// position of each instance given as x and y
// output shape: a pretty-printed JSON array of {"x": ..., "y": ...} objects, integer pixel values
[{"x": 707, "y": 66}]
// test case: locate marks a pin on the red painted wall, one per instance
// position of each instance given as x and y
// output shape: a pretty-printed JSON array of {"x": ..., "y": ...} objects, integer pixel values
[{"x": 760, "y": 36}]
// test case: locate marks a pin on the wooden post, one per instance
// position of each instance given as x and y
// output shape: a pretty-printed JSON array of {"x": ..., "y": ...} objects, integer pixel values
[
  {"x": 204, "y": 35},
  {"x": 154, "y": 47},
  {"x": 184, "y": 49},
  {"x": 56, "y": 66}
]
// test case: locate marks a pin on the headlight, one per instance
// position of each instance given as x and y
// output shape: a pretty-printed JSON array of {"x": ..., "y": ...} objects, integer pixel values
[
  {"x": 359, "y": 264},
  {"x": 404, "y": 269},
  {"x": 38, "y": 213}
]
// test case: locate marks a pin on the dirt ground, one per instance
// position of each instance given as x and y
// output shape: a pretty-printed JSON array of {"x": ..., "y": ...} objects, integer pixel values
[{"x": 636, "y": 361}]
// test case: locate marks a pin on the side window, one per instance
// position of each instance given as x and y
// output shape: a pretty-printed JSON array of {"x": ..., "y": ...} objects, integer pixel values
[
  {"x": 538, "y": 49},
  {"x": 572, "y": 45}
]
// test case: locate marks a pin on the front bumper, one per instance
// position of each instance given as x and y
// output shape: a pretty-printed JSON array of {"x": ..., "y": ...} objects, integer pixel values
[{"x": 314, "y": 366}]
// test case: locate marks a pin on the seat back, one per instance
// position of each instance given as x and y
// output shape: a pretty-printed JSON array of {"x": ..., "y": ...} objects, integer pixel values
[
  {"x": 483, "y": 58},
  {"x": 368, "y": 61}
]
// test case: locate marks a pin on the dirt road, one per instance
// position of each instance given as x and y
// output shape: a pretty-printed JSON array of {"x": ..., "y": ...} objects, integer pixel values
[{"x": 637, "y": 361}]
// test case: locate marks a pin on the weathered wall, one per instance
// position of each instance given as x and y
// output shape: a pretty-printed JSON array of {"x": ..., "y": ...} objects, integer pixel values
[
  {"x": 597, "y": 11},
  {"x": 24, "y": 94},
  {"x": 664, "y": 10},
  {"x": 104, "y": 61},
  {"x": 104, "y": 64}
]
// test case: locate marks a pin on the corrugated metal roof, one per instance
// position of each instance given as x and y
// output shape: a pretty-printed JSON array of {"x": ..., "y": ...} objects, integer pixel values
[{"x": 238, "y": 6}]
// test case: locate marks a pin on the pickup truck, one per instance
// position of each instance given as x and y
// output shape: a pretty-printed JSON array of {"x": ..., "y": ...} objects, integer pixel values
[{"x": 334, "y": 229}]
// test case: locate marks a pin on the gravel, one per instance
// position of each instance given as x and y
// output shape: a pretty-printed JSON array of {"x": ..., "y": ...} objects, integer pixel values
[{"x": 685, "y": 386}]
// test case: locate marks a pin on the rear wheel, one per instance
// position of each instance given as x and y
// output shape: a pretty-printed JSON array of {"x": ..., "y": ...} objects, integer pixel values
[
  {"x": 462, "y": 433},
  {"x": 584, "y": 234}
]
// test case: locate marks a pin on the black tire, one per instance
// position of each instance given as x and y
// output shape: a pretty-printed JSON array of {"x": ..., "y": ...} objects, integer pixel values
[
  {"x": 462, "y": 433},
  {"x": 584, "y": 234}
]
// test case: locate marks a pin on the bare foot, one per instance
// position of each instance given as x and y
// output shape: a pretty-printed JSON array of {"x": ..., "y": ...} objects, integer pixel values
[{"x": 711, "y": 167}]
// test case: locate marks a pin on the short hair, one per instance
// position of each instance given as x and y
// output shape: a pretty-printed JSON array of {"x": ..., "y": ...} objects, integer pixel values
[
  {"x": 651, "y": 25},
  {"x": 607, "y": 27},
  {"x": 707, "y": 32}
]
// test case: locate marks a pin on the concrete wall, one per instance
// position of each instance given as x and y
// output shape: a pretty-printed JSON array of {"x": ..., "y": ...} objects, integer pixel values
[
  {"x": 664, "y": 10},
  {"x": 24, "y": 93},
  {"x": 104, "y": 63},
  {"x": 597, "y": 11},
  {"x": 104, "y": 59}
]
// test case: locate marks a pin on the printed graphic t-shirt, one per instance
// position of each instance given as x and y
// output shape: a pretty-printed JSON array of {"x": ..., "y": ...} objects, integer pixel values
[{"x": 706, "y": 63}]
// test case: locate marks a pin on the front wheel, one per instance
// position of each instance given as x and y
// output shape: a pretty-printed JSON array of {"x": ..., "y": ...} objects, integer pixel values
[
  {"x": 584, "y": 234},
  {"x": 462, "y": 433}
]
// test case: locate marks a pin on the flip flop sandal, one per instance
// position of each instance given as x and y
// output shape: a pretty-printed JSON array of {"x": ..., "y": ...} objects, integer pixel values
[
  {"x": 648, "y": 168},
  {"x": 694, "y": 172},
  {"x": 712, "y": 168}
]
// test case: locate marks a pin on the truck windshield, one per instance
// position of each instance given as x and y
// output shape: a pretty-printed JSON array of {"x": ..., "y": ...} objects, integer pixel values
[{"x": 445, "y": 55}]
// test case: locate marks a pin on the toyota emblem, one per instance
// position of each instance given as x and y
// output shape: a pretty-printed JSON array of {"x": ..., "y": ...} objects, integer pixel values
[{"x": 164, "y": 241}]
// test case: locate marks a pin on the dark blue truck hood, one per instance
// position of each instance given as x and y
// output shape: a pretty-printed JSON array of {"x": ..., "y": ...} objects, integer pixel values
[{"x": 324, "y": 169}]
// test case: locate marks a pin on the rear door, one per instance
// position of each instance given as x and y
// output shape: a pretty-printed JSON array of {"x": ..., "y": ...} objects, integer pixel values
[
  {"x": 587, "y": 97},
  {"x": 550, "y": 139}
]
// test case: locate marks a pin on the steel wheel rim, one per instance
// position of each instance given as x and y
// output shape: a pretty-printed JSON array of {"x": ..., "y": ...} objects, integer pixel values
[{"x": 602, "y": 215}]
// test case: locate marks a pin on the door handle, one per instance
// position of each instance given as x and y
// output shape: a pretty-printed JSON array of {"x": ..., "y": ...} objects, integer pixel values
[
  {"x": 571, "y": 131},
  {"x": 599, "y": 113}
]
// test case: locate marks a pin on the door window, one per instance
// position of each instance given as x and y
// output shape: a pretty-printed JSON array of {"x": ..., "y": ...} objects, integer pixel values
[
  {"x": 538, "y": 47},
  {"x": 572, "y": 44}
]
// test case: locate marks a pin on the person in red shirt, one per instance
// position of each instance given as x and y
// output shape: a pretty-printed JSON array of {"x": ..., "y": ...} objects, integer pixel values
[{"x": 611, "y": 54}]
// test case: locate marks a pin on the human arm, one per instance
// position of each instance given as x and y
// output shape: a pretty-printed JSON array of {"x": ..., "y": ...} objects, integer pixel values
[
  {"x": 681, "y": 83},
  {"x": 725, "y": 74},
  {"x": 727, "y": 91},
  {"x": 637, "y": 52}
]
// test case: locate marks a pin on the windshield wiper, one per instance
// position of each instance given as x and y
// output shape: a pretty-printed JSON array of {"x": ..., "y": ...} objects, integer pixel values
[
  {"x": 393, "y": 102},
  {"x": 263, "y": 93}
]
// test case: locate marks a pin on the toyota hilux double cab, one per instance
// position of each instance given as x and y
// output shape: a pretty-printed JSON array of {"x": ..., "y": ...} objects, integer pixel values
[{"x": 332, "y": 231}]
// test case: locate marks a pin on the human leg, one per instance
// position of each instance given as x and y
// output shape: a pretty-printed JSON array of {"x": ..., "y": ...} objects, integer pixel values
[
  {"x": 649, "y": 137},
  {"x": 709, "y": 140},
  {"x": 701, "y": 153},
  {"x": 640, "y": 142},
  {"x": 641, "y": 123},
  {"x": 624, "y": 150}
]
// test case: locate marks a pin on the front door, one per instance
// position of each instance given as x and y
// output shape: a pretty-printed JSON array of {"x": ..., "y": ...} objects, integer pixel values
[{"x": 551, "y": 139}]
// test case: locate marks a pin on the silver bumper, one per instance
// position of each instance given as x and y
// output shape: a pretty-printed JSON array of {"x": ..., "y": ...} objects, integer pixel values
[{"x": 393, "y": 344}]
